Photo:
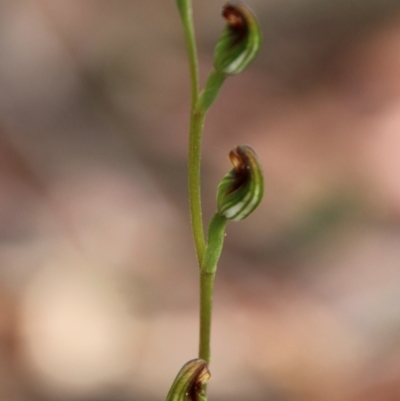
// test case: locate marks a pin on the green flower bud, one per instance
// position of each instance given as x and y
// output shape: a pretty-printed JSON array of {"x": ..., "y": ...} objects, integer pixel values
[
  {"x": 242, "y": 189},
  {"x": 240, "y": 41},
  {"x": 189, "y": 381}
]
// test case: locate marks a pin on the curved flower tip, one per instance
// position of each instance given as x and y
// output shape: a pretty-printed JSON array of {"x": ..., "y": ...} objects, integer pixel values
[
  {"x": 240, "y": 41},
  {"x": 189, "y": 381},
  {"x": 241, "y": 190}
]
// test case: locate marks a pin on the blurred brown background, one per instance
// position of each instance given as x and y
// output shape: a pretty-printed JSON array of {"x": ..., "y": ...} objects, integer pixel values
[{"x": 98, "y": 279}]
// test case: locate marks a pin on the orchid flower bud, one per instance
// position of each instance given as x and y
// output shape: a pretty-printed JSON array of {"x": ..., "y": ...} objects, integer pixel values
[
  {"x": 242, "y": 189},
  {"x": 239, "y": 42},
  {"x": 189, "y": 381}
]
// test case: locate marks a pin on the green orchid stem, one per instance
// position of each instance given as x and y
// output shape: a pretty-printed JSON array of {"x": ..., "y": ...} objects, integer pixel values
[
  {"x": 206, "y": 300},
  {"x": 215, "y": 242},
  {"x": 196, "y": 129}
]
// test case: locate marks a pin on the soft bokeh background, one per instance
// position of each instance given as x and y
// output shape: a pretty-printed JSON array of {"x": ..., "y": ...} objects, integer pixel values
[{"x": 98, "y": 279}]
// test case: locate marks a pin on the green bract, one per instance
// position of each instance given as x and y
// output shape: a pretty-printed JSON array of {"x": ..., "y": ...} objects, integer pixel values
[
  {"x": 181, "y": 4},
  {"x": 242, "y": 189},
  {"x": 240, "y": 41},
  {"x": 189, "y": 381}
]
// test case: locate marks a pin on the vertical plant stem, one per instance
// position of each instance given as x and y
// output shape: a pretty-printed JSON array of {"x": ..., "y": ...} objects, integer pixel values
[
  {"x": 215, "y": 242},
  {"x": 195, "y": 135},
  {"x": 196, "y": 128},
  {"x": 206, "y": 300}
]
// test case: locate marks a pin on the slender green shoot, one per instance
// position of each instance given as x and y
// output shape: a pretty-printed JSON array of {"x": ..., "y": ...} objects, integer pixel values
[{"x": 196, "y": 129}]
